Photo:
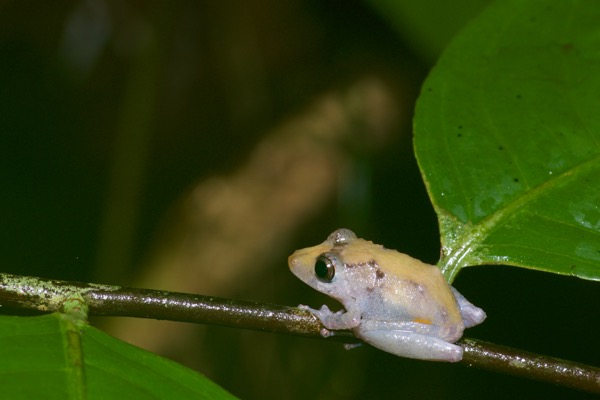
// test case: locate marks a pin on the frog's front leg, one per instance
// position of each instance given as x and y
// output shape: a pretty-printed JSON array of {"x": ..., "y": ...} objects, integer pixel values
[
  {"x": 409, "y": 339},
  {"x": 335, "y": 320}
]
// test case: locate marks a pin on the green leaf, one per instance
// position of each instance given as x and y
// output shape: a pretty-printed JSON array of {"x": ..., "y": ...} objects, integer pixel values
[
  {"x": 507, "y": 135},
  {"x": 55, "y": 357}
]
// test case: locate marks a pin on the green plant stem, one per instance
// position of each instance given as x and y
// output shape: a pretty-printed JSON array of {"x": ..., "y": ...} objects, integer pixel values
[{"x": 49, "y": 295}]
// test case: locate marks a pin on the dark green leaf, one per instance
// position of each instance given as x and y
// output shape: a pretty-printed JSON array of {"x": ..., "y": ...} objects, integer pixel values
[
  {"x": 54, "y": 357},
  {"x": 507, "y": 135}
]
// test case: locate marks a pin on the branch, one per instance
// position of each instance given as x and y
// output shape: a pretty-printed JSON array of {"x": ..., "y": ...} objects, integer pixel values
[{"x": 49, "y": 295}]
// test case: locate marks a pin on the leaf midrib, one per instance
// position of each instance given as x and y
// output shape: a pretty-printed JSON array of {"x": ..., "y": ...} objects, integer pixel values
[
  {"x": 73, "y": 357},
  {"x": 465, "y": 250}
]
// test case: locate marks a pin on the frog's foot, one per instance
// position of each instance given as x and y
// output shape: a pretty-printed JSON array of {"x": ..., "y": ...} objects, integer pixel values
[
  {"x": 323, "y": 311},
  {"x": 326, "y": 332},
  {"x": 471, "y": 315},
  {"x": 334, "y": 320},
  {"x": 350, "y": 346},
  {"x": 307, "y": 308}
]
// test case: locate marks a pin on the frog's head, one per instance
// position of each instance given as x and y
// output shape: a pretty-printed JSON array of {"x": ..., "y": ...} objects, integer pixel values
[{"x": 326, "y": 267}]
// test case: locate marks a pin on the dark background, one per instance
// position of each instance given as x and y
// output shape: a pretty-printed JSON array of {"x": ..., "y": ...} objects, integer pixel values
[{"x": 195, "y": 86}]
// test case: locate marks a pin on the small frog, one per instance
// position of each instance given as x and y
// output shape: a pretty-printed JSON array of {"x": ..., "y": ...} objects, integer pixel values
[{"x": 393, "y": 301}]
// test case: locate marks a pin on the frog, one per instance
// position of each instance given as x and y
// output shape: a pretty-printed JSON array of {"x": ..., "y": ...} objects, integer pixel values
[{"x": 391, "y": 300}]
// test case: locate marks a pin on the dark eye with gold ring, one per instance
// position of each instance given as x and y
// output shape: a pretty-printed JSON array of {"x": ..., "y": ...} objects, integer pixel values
[{"x": 324, "y": 269}]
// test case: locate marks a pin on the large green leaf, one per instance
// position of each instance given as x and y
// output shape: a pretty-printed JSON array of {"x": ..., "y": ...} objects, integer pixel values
[
  {"x": 507, "y": 135},
  {"x": 55, "y": 357}
]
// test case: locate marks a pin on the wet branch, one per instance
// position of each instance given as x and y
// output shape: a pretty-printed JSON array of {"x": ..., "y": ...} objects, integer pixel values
[{"x": 49, "y": 295}]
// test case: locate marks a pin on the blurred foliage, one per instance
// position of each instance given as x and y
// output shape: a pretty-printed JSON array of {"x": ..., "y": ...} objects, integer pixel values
[
  {"x": 428, "y": 25},
  {"x": 114, "y": 113}
]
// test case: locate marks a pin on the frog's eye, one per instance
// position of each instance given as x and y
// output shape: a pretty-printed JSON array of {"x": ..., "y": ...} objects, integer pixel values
[{"x": 324, "y": 269}]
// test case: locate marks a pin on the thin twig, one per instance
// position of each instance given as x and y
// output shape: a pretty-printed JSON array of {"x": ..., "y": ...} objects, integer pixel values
[
  {"x": 506, "y": 360},
  {"x": 103, "y": 300}
]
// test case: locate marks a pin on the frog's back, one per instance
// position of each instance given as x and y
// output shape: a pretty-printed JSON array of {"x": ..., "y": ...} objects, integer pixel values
[{"x": 421, "y": 293}]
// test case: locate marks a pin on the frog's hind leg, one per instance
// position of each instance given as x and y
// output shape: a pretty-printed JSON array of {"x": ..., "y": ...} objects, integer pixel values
[
  {"x": 471, "y": 315},
  {"x": 410, "y": 339},
  {"x": 414, "y": 345}
]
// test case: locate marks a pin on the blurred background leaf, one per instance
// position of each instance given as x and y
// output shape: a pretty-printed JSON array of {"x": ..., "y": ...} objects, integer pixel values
[{"x": 428, "y": 25}]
